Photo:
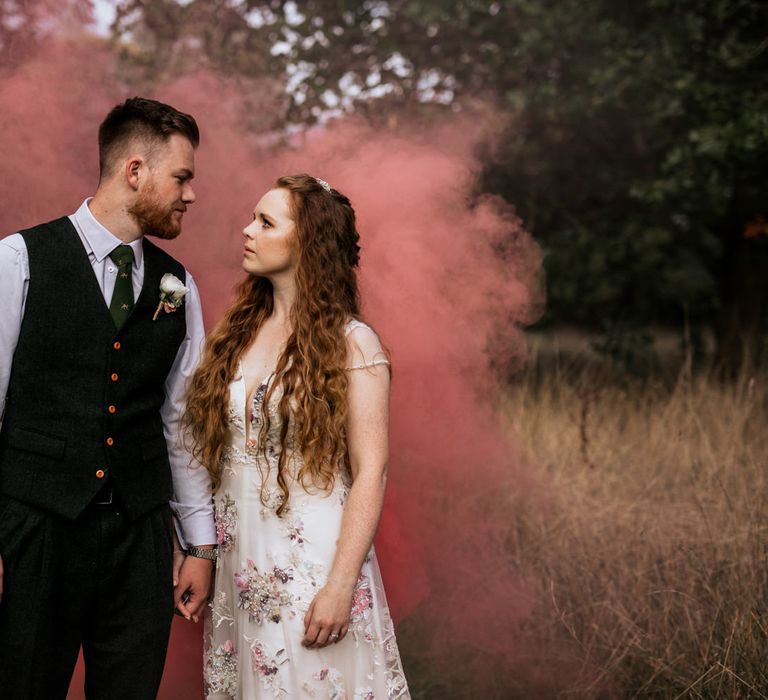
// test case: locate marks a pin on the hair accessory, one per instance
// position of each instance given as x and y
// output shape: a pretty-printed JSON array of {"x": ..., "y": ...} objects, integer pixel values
[{"x": 323, "y": 184}]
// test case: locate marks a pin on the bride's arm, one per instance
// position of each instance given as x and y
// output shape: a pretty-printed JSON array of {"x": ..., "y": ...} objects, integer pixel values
[{"x": 367, "y": 426}]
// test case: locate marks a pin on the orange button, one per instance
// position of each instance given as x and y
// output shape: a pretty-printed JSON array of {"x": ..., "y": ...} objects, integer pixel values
[
  {"x": 110, "y": 441},
  {"x": 114, "y": 377},
  {"x": 116, "y": 345},
  {"x": 112, "y": 409},
  {"x": 99, "y": 473}
]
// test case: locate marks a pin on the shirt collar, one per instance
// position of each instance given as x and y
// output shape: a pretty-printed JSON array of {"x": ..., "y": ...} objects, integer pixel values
[{"x": 100, "y": 240}]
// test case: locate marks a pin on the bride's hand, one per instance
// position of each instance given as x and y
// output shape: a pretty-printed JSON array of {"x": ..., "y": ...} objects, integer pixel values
[{"x": 327, "y": 620}]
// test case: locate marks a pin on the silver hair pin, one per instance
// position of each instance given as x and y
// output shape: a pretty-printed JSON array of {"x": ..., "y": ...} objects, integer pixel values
[{"x": 323, "y": 184}]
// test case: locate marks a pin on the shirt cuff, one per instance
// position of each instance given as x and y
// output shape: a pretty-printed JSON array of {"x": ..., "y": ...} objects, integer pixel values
[{"x": 195, "y": 525}]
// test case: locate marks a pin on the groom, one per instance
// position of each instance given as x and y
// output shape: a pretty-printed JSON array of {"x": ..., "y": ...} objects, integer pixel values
[{"x": 91, "y": 462}]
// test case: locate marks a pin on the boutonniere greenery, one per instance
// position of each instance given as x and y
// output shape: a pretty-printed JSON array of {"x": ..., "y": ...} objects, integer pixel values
[{"x": 172, "y": 293}]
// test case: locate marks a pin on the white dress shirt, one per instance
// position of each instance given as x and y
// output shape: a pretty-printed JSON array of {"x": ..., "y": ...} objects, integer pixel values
[{"x": 192, "y": 503}]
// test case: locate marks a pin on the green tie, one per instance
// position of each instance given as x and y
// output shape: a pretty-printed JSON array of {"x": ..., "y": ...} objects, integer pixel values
[{"x": 122, "y": 297}]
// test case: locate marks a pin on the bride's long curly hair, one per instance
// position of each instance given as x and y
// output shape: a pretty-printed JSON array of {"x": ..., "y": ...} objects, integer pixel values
[{"x": 310, "y": 370}]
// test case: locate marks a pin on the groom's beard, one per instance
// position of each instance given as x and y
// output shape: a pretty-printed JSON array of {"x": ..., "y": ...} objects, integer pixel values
[{"x": 154, "y": 218}]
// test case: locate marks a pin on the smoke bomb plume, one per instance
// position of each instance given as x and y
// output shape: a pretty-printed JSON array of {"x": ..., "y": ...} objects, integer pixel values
[{"x": 448, "y": 279}]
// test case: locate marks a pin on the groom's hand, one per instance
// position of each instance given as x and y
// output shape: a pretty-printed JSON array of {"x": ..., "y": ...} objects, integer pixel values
[
  {"x": 178, "y": 561},
  {"x": 194, "y": 586}
]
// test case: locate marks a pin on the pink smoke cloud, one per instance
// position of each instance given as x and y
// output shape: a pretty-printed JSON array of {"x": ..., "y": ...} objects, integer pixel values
[{"x": 449, "y": 278}]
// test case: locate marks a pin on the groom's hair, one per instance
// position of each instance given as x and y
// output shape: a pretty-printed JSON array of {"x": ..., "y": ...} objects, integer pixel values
[{"x": 139, "y": 118}]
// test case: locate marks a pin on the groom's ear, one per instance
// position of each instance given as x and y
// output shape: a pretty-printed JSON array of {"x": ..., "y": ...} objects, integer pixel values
[{"x": 135, "y": 171}]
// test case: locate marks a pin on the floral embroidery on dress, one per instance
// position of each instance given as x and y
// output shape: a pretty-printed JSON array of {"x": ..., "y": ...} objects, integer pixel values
[
  {"x": 314, "y": 574},
  {"x": 221, "y": 610},
  {"x": 267, "y": 665},
  {"x": 296, "y": 532},
  {"x": 255, "y": 421},
  {"x": 335, "y": 680},
  {"x": 272, "y": 499},
  {"x": 261, "y": 595},
  {"x": 235, "y": 418},
  {"x": 361, "y": 618},
  {"x": 226, "y": 522},
  {"x": 220, "y": 671},
  {"x": 364, "y": 694},
  {"x": 255, "y": 417},
  {"x": 362, "y": 600}
]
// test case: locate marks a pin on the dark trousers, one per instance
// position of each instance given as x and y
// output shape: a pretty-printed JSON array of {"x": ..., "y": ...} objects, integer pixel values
[{"x": 99, "y": 581}]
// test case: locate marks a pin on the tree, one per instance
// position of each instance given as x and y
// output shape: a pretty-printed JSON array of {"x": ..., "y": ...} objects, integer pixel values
[
  {"x": 25, "y": 23},
  {"x": 636, "y": 131}
]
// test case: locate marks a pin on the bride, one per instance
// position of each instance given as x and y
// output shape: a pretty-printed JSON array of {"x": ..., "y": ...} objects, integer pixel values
[{"x": 288, "y": 411}]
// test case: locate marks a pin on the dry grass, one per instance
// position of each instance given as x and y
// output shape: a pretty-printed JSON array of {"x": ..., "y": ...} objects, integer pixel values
[{"x": 652, "y": 547}]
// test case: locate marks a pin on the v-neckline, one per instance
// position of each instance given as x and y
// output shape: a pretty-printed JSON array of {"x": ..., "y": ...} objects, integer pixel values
[{"x": 249, "y": 399}]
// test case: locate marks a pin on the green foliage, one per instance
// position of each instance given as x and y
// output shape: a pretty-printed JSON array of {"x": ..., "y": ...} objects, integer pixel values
[
  {"x": 636, "y": 138},
  {"x": 636, "y": 152}
]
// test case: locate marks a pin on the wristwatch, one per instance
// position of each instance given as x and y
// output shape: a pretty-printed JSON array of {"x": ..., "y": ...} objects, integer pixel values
[{"x": 207, "y": 553}]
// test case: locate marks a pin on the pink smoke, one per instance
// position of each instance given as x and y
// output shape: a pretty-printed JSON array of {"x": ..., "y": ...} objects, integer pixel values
[{"x": 435, "y": 287}]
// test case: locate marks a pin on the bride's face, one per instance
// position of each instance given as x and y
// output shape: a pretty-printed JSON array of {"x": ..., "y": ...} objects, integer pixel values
[{"x": 270, "y": 237}]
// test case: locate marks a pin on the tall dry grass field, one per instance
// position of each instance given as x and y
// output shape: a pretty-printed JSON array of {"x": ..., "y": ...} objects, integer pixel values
[{"x": 651, "y": 533}]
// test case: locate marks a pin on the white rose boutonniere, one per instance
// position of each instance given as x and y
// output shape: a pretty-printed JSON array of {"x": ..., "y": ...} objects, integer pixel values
[{"x": 172, "y": 293}]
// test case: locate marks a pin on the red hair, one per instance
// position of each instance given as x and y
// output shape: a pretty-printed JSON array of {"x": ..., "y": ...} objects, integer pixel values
[{"x": 311, "y": 370}]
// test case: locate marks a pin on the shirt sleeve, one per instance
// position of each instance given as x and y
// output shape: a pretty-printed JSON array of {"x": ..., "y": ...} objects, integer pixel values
[
  {"x": 14, "y": 283},
  {"x": 192, "y": 502}
]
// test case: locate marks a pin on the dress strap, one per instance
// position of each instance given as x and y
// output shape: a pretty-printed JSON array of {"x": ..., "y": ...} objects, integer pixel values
[
  {"x": 352, "y": 324},
  {"x": 366, "y": 350},
  {"x": 381, "y": 361}
]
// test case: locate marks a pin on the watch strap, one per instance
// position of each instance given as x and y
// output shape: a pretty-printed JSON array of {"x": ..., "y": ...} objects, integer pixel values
[{"x": 203, "y": 553}]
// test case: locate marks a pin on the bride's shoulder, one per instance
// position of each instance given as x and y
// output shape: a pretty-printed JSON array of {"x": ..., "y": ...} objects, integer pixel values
[
  {"x": 364, "y": 348},
  {"x": 353, "y": 324}
]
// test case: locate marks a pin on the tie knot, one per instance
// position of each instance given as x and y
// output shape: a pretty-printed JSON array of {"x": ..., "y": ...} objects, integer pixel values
[{"x": 122, "y": 255}]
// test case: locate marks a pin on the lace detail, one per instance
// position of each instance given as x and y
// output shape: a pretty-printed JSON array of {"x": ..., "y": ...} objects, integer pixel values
[
  {"x": 220, "y": 670},
  {"x": 364, "y": 347},
  {"x": 267, "y": 665},
  {"x": 221, "y": 610},
  {"x": 225, "y": 515}
]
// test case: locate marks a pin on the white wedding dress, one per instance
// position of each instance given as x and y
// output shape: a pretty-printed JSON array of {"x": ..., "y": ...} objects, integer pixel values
[{"x": 270, "y": 568}]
